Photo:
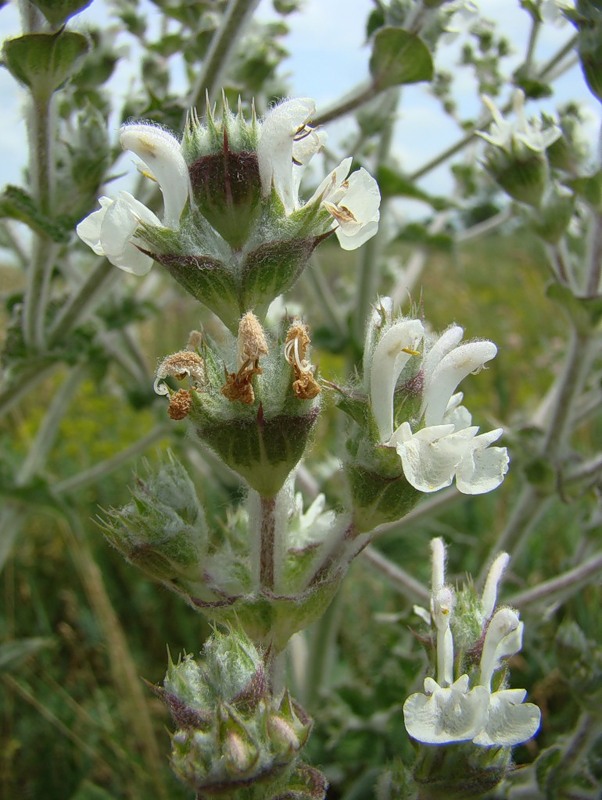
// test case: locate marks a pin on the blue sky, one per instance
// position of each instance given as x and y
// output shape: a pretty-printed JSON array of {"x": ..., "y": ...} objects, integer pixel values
[{"x": 328, "y": 57}]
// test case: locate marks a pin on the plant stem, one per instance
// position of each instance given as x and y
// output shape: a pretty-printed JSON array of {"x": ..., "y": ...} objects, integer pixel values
[
  {"x": 527, "y": 511},
  {"x": 41, "y": 165},
  {"x": 398, "y": 578},
  {"x": 267, "y": 543},
  {"x": 224, "y": 39},
  {"x": 594, "y": 257},
  {"x": 369, "y": 258},
  {"x": 575, "y": 371},
  {"x": 26, "y": 381},
  {"x": 323, "y": 294},
  {"x": 81, "y": 303},
  {"x": 568, "y": 582},
  {"x": 48, "y": 430},
  {"x": 100, "y": 470},
  {"x": 349, "y": 103}
]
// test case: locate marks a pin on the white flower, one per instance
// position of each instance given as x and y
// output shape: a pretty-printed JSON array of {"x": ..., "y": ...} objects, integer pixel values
[
  {"x": 552, "y": 10},
  {"x": 111, "y": 231},
  {"x": 310, "y": 527},
  {"x": 440, "y": 445},
  {"x": 286, "y": 145},
  {"x": 449, "y": 710},
  {"x": 353, "y": 202},
  {"x": 521, "y": 132},
  {"x": 393, "y": 351},
  {"x": 443, "y": 715},
  {"x": 509, "y": 720}
]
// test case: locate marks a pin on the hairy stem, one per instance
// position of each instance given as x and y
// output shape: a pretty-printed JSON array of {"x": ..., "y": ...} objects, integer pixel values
[
  {"x": 349, "y": 103},
  {"x": 267, "y": 543},
  {"x": 594, "y": 257},
  {"x": 397, "y": 577},
  {"x": 79, "y": 304},
  {"x": 567, "y": 583},
  {"x": 48, "y": 430},
  {"x": 225, "y": 38},
  {"x": 575, "y": 371},
  {"x": 369, "y": 259},
  {"x": 100, "y": 470}
]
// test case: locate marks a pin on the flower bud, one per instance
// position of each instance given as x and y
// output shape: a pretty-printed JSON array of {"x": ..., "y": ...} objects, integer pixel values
[
  {"x": 231, "y": 732},
  {"x": 224, "y": 172},
  {"x": 162, "y": 531}
]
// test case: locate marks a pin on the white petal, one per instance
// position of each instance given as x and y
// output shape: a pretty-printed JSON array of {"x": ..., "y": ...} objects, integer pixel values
[
  {"x": 162, "y": 153},
  {"x": 303, "y": 151},
  {"x": 431, "y": 456},
  {"x": 447, "y": 715},
  {"x": 388, "y": 361},
  {"x": 448, "y": 373},
  {"x": 445, "y": 344},
  {"x": 328, "y": 189},
  {"x": 492, "y": 582},
  {"x": 119, "y": 225},
  {"x": 382, "y": 313},
  {"x": 89, "y": 229},
  {"x": 275, "y": 147},
  {"x": 357, "y": 239},
  {"x": 438, "y": 556},
  {"x": 510, "y": 721},
  {"x": 357, "y": 210},
  {"x": 482, "y": 468},
  {"x": 504, "y": 638}
]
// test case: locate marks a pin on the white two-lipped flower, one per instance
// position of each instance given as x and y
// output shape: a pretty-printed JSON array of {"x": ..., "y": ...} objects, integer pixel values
[
  {"x": 440, "y": 444},
  {"x": 519, "y": 133},
  {"x": 112, "y": 231},
  {"x": 286, "y": 145},
  {"x": 450, "y": 710}
]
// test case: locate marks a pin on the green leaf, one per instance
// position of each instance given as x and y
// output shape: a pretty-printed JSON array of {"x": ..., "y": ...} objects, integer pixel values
[
  {"x": 399, "y": 57},
  {"x": 16, "y": 204},
  {"x": 44, "y": 61},
  {"x": 12, "y": 654},
  {"x": 57, "y": 12},
  {"x": 392, "y": 184}
]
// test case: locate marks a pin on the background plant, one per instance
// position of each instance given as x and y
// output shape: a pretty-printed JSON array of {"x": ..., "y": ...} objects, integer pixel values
[{"x": 80, "y": 345}]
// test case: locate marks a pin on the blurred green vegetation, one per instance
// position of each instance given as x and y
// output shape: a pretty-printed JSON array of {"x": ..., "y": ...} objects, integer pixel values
[{"x": 68, "y": 699}]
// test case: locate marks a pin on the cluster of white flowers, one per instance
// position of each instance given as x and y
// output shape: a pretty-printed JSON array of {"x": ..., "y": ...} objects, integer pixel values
[
  {"x": 440, "y": 443},
  {"x": 285, "y": 145},
  {"x": 519, "y": 133},
  {"x": 450, "y": 710}
]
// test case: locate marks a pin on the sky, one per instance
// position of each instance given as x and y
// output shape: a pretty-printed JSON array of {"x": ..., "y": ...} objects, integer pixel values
[{"x": 328, "y": 57}]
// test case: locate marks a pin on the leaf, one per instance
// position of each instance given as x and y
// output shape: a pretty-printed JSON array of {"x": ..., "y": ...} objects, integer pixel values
[
  {"x": 44, "y": 61},
  {"x": 16, "y": 204},
  {"x": 57, "y": 12},
  {"x": 399, "y": 57},
  {"x": 12, "y": 654}
]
